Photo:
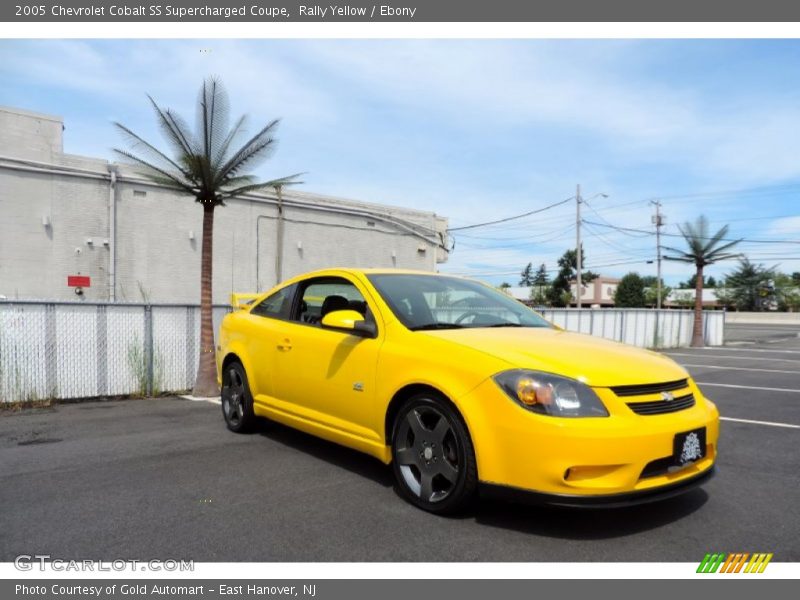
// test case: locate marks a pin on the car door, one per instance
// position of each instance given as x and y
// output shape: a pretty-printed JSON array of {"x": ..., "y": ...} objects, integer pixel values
[
  {"x": 323, "y": 375},
  {"x": 264, "y": 328}
]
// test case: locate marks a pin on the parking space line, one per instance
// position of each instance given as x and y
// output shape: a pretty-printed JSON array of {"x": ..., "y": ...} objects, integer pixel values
[
  {"x": 772, "y": 358},
  {"x": 750, "y": 387},
  {"x": 769, "y": 423},
  {"x": 213, "y": 400},
  {"x": 793, "y": 372},
  {"x": 726, "y": 349}
]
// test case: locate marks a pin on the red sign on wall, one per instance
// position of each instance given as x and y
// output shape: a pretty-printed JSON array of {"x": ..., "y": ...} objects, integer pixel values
[{"x": 79, "y": 281}]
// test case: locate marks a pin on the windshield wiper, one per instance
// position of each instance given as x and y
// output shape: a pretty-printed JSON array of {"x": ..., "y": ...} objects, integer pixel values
[
  {"x": 504, "y": 325},
  {"x": 428, "y": 326}
]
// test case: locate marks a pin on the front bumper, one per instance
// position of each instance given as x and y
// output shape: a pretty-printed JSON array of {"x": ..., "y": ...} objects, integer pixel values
[
  {"x": 571, "y": 461},
  {"x": 605, "y": 501}
]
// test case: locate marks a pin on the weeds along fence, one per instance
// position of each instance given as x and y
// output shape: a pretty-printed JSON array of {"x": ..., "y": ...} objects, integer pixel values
[{"x": 64, "y": 350}]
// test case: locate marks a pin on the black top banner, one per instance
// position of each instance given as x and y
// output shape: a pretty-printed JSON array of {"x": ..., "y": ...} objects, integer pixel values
[{"x": 402, "y": 11}]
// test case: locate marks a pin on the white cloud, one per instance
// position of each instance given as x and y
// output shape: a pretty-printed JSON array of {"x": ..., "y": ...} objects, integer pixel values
[{"x": 786, "y": 228}]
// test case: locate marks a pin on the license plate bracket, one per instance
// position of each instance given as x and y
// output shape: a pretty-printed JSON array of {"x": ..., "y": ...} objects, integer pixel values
[{"x": 688, "y": 447}]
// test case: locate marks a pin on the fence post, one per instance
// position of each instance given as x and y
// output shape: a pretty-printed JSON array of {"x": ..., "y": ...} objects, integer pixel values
[
  {"x": 102, "y": 351},
  {"x": 51, "y": 345},
  {"x": 724, "y": 322},
  {"x": 655, "y": 329},
  {"x": 148, "y": 348},
  {"x": 191, "y": 350}
]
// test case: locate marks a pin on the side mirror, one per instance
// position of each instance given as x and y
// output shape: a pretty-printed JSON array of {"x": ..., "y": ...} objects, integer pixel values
[{"x": 349, "y": 321}]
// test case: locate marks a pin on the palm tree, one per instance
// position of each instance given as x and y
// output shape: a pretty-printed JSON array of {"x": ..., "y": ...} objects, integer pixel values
[
  {"x": 703, "y": 250},
  {"x": 210, "y": 165}
]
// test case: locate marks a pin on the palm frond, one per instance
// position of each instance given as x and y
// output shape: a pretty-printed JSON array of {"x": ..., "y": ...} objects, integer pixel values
[
  {"x": 704, "y": 249},
  {"x": 154, "y": 172},
  {"x": 245, "y": 189},
  {"x": 204, "y": 163},
  {"x": 222, "y": 150},
  {"x": 256, "y": 144},
  {"x": 686, "y": 259},
  {"x": 724, "y": 247},
  {"x": 715, "y": 239},
  {"x": 152, "y": 150},
  {"x": 212, "y": 115},
  {"x": 175, "y": 130}
]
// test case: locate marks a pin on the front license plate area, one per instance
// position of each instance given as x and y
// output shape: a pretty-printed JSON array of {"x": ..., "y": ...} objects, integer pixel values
[{"x": 688, "y": 447}]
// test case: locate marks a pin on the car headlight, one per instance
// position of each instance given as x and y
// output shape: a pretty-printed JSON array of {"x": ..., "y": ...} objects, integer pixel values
[{"x": 550, "y": 394}]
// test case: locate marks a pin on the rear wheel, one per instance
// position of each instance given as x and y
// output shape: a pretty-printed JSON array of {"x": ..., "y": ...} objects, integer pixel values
[
  {"x": 237, "y": 402},
  {"x": 432, "y": 455}
]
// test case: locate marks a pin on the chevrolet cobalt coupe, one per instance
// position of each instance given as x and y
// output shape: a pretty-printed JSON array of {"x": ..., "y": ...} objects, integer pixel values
[{"x": 460, "y": 387}]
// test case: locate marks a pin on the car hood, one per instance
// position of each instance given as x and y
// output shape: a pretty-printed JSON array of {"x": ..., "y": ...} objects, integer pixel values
[{"x": 595, "y": 361}]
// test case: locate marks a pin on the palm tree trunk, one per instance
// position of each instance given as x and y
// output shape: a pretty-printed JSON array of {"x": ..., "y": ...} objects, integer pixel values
[
  {"x": 697, "y": 332},
  {"x": 205, "y": 384}
]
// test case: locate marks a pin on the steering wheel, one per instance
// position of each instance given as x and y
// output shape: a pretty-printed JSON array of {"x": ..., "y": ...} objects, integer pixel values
[{"x": 472, "y": 313}]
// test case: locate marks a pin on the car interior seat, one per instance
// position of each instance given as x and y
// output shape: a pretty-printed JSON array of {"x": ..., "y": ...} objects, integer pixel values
[{"x": 332, "y": 303}]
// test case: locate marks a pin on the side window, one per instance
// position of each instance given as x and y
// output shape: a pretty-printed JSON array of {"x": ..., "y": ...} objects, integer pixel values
[
  {"x": 277, "y": 305},
  {"x": 322, "y": 296}
]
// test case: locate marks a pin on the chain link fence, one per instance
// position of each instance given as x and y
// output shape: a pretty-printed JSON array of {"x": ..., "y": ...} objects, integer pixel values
[{"x": 62, "y": 350}]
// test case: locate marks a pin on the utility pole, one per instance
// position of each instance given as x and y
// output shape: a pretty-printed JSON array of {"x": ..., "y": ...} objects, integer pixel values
[
  {"x": 579, "y": 286},
  {"x": 658, "y": 221}
]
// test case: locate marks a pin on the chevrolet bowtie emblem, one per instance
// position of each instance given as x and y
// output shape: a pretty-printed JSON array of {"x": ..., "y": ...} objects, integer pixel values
[{"x": 667, "y": 397}]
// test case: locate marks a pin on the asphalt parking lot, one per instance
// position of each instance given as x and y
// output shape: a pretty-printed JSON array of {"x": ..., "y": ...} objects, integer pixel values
[{"x": 164, "y": 479}]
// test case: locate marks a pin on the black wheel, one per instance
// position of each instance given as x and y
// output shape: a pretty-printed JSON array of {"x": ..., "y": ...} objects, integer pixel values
[
  {"x": 432, "y": 455},
  {"x": 237, "y": 403}
]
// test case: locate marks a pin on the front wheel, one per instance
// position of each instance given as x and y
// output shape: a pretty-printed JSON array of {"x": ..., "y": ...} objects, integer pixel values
[
  {"x": 432, "y": 455},
  {"x": 237, "y": 402}
]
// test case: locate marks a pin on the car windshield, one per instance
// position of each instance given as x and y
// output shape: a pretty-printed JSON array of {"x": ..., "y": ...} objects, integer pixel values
[{"x": 441, "y": 302}]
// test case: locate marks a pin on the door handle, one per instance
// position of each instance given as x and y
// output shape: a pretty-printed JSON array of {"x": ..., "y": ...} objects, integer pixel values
[{"x": 285, "y": 345}]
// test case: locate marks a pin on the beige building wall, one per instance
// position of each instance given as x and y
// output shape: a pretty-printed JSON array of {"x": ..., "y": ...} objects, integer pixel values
[{"x": 56, "y": 220}]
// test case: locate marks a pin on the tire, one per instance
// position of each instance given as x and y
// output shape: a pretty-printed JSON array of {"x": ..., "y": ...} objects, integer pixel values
[
  {"x": 432, "y": 455},
  {"x": 237, "y": 401}
]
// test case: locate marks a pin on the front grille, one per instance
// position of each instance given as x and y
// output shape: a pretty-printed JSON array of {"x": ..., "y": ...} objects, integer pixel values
[
  {"x": 659, "y": 407},
  {"x": 649, "y": 388}
]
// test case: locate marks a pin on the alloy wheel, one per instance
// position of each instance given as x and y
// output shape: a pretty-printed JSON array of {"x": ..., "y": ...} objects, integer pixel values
[
  {"x": 233, "y": 394},
  {"x": 427, "y": 453}
]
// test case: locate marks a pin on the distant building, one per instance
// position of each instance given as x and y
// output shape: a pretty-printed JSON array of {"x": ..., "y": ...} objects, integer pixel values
[
  {"x": 599, "y": 292},
  {"x": 682, "y": 297}
]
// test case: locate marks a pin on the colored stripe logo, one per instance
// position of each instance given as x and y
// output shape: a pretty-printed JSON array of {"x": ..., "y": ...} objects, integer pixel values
[{"x": 738, "y": 562}]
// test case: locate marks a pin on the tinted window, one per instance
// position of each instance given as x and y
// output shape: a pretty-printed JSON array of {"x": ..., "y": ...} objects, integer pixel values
[
  {"x": 277, "y": 305},
  {"x": 439, "y": 302}
]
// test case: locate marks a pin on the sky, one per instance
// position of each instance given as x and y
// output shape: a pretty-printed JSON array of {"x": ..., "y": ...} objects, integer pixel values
[{"x": 478, "y": 130}]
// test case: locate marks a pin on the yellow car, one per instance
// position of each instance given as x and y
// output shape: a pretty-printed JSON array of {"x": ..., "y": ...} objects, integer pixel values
[{"x": 462, "y": 388}]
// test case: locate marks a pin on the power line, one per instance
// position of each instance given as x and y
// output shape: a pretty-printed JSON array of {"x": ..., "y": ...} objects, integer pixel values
[
  {"x": 743, "y": 240},
  {"x": 606, "y": 220},
  {"x": 527, "y": 214},
  {"x": 611, "y": 244},
  {"x": 760, "y": 190},
  {"x": 531, "y": 236}
]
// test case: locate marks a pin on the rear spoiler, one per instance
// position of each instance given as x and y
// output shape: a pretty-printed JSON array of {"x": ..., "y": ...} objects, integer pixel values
[{"x": 241, "y": 301}]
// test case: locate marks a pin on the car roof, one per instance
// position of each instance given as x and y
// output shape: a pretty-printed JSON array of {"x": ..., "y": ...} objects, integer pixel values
[{"x": 373, "y": 271}]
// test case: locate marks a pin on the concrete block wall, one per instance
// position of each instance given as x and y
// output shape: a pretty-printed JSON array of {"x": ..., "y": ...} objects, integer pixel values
[{"x": 159, "y": 231}]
